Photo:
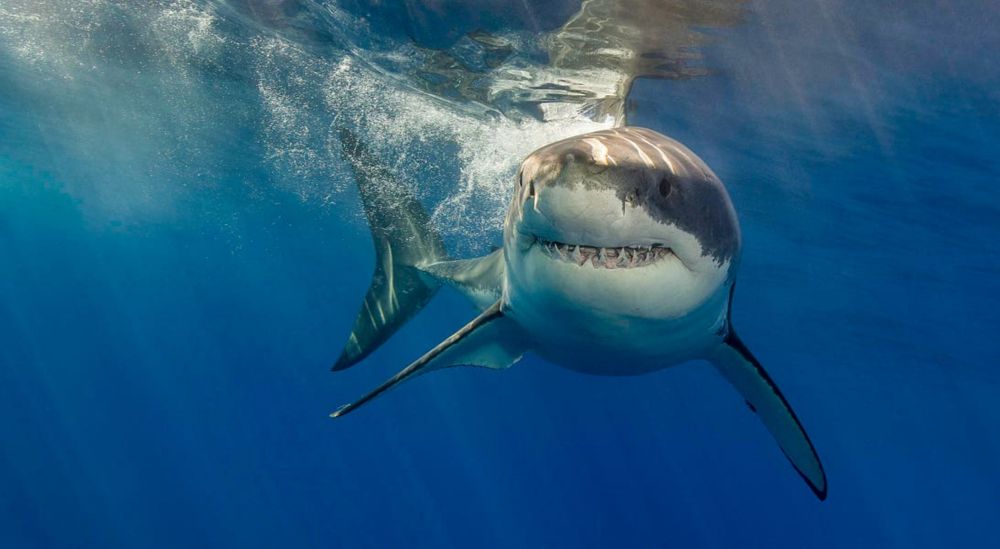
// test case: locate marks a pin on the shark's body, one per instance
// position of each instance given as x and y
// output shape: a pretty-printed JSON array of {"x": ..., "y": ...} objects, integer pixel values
[{"x": 619, "y": 257}]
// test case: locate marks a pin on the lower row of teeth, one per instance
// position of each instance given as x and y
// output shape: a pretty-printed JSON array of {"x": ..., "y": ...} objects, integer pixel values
[{"x": 609, "y": 258}]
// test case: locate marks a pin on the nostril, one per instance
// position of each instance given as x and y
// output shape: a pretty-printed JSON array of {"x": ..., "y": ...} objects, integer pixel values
[
  {"x": 531, "y": 189},
  {"x": 666, "y": 187}
]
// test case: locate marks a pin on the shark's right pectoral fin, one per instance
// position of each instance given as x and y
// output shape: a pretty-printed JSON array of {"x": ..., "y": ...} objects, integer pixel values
[
  {"x": 480, "y": 279},
  {"x": 744, "y": 372},
  {"x": 491, "y": 340}
]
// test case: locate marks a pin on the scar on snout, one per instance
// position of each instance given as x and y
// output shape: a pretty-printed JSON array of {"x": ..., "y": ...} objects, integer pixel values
[{"x": 599, "y": 152}]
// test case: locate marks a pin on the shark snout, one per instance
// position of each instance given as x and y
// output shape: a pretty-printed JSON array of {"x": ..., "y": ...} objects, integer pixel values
[{"x": 592, "y": 217}]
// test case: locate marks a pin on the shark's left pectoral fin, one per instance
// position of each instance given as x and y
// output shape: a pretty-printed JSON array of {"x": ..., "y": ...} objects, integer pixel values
[
  {"x": 491, "y": 340},
  {"x": 745, "y": 373}
]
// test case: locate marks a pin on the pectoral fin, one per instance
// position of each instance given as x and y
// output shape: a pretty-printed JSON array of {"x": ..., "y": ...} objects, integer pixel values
[
  {"x": 491, "y": 340},
  {"x": 745, "y": 373},
  {"x": 480, "y": 279}
]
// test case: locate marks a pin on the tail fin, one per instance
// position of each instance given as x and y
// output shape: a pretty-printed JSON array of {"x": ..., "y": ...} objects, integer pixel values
[{"x": 403, "y": 239}]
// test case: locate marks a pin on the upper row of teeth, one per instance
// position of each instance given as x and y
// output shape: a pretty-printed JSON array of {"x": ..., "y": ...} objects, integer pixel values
[{"x": 611, "y": 258}]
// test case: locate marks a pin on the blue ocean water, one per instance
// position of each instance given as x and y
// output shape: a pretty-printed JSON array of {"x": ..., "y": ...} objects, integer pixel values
[{"x": 182, "y": 255}]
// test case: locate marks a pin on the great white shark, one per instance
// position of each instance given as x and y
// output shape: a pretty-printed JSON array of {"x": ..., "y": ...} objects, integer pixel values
[{"x": 619, "y": 257}]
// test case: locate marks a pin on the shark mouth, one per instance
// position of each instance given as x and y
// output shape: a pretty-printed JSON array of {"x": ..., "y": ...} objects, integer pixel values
[{"x": 623, "y": 257}]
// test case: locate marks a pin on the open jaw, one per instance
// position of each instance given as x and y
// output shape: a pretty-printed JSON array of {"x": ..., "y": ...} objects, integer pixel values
[{"x": 620, "y": 257}]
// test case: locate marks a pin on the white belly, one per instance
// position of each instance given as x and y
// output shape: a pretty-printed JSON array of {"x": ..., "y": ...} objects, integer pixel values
[{"x": 583, "y": 320}]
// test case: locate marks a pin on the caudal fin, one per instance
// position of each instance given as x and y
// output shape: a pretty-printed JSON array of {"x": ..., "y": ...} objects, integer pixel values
[{"x": 403, "y": 239}]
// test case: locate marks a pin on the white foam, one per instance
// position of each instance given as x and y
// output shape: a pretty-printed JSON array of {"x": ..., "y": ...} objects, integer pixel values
[
  {"x": 188, "y": 32},
  {"x": 440, "y": 148},
  {"x": 141, "y": 98}
]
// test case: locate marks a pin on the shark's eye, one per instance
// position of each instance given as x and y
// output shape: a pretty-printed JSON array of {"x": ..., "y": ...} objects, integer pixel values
[{"x": 666, "y": 187}]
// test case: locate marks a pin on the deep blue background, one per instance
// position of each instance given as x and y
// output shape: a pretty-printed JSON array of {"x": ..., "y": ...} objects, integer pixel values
[{"x": 163, "y": 377}]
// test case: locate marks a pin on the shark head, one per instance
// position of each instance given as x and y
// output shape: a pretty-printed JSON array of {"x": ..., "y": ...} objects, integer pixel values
[{"x": 624, "y": 222}]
